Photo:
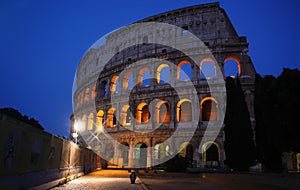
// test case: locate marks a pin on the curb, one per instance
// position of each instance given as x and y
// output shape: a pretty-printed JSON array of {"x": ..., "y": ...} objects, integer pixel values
[{"x": 142, "y": 184}]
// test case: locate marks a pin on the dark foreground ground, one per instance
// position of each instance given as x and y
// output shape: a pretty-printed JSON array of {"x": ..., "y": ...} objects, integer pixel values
[{"x": 119, "y": 180}]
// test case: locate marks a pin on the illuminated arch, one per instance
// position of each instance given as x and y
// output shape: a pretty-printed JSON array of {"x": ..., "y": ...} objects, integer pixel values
[
  {"x": 90, "y": 122},
  {"x": 94, "y": 90},
  {"x": 125, "y": 153},
  {"x": 161, "y": 152},
  {"x": 87, "y": 95},
  {"x": 125, "y": 115},
  {"x": 111, "y": 118},
  {"x": 140, "y": 154},
  {"x": 184, "y": 111},
  {"x": 183, "y": 76},
  {"x": 144, "y": 77},
  {"x": 162, "y": 112},
  {"x": 100, "y": 120},
  {"x": 163, "y": 73},
  {"x": 81, "y": 98},
  {"x": 211, "y": 154},
  {"x": 82, "y": 123},
  {"x": 127, "y": 82},
  {"x": 209, "y": 109},
  {"x": 142, "y": 113},
  {"x": 228, "y": 64},
  {"x": 114, "y": 84},
  {"x": 208, "y": 68},
  {"x": 186, "y": 151}
]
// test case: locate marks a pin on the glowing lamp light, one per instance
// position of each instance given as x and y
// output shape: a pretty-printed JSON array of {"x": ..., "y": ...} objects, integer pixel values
[
  {"x": 74, "y": 135},
  {"x": 77, "y": 126}
]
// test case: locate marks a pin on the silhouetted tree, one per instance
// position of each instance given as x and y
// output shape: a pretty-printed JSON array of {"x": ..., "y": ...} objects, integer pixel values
[
  {"x": 239, "y": 144},
  {"x": 268, "y": 138},
  {"x": 289, "y": 103},
  {"x": 276, "y": 112},
  {"x": 17, "y": 115}
]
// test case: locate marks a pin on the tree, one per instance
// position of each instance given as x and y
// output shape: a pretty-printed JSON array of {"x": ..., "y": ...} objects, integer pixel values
[
  {"x": 239, "y": 143},
  {"x": 276, "y": 111},
  {"x": 268, "y": 139}
]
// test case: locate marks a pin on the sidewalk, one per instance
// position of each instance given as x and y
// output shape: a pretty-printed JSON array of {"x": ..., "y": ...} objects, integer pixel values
[{"x": 103, "y": 180}]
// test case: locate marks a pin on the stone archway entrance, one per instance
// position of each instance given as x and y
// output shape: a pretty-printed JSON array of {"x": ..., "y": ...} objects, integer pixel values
[
  {"x": 187, "y": 152},
  {"x": 161, "y": 153},
  {"x": 125, "y": 153},
  {"x": 211, "y": 155},
  {"x": 140, "y": 156}
]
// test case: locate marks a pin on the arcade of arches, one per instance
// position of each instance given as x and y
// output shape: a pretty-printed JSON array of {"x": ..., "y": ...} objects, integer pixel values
[
  {"x": 162, "y": 114},
  {"x": 163, "y": 74},
  {"x": 140, "y": 156}
]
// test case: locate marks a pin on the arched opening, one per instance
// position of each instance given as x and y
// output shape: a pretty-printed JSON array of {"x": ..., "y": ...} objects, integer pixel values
[
  {"x": 128, "y": 80},
  {"x": 145, "y": 39},
  {"x": 144, "y": 77},
  {"x": 142, "y": 114},
  {"x": 111, "y": 118},
  {"x": 87, "y": 95},
  {"x": 140, "y": 155},
  {"x": 161, "y": 153},
  {"x": 114, "y": 84},
  {"x": 184, "y": 111},
  {"x": 90, "y": 121},
  {"x": 162, "y": 112},
  {"x": 103, "y": 88},
  {"x": 94, "y": 92},
  {"x": 232, "y": 67},
  {"x": 186, "y": 151},
  {"x": 125, "y": 115},
  {"x": 163, "y": 74},
  {"x": 81, "y": 98},
  {"x": 184, "y": 71},
  {"x": 211, "y": 155},
  {"x": 208, "y": 68},
  {"x": 109, "y": 152},
  {"x": 145, "y": 114},
  {"x": 100, "y": 120},
  {"x": 82, "y": 123},
  {"x": 185, "y": 31},
  {"x": 125, "y": 153},
  {"x": 209, "y": 109}
]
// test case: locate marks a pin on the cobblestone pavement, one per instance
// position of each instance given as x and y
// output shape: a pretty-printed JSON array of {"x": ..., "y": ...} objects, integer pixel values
[{"x": 105, "y": 179}]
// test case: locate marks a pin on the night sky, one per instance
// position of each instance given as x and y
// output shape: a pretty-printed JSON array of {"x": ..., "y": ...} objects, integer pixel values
[{"x": 42, "y": 42}]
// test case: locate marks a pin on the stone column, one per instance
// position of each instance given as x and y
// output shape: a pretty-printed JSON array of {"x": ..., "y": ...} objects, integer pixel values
[
  {"x": 173, "y": 106},
  {"x": 130, "y": 155},
  {"x": 152, "y": 76},
  {"x": 116, "y": 153},
  {"x": 201, "y": 161},
  {"x": 149, "y": 153}
]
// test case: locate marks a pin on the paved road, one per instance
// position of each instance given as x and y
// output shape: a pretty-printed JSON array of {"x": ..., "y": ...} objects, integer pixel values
[
  {"x": 100, "y": 180},
  {"x": 186, "y": 181},
  {"x": 119, "y": 180}
]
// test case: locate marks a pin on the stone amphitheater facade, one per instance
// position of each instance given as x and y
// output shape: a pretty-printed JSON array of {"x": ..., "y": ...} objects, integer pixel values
[{"x": 134, "y": 106}]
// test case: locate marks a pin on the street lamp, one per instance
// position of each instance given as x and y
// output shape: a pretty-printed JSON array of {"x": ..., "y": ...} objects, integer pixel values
[{"x": 75, "y": 135}]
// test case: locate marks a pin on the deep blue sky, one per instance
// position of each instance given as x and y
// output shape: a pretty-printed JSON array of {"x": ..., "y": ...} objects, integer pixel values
[{"x": 42, "y": 42}]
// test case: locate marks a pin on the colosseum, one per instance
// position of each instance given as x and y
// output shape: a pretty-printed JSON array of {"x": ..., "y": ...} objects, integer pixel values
[{"x": 155, "y": 89}]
